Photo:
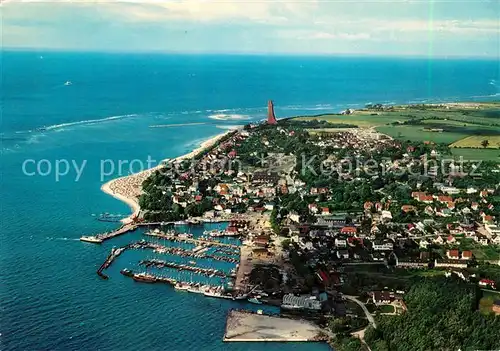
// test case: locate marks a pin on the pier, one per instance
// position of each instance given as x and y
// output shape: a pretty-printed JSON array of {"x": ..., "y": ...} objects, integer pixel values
[
  {"x": 183, "y": 252},
  {"x": 177, "y": 238},
  {"x": 209, "y": 272},
  {"x": 99, "y": 238},
  {"x": 115, "y": 252}
]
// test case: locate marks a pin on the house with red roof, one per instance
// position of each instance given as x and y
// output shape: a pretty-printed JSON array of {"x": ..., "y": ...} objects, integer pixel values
[
  {"x": 487, "y": 282},
  {"x": 487, "y": 219},
  {"x": 349, "y": 230},
  {"x": 466, "y": 255},
  {"x": 408, "y": 208},
  {"x": 453, "y": 254},
  {"x": 444, "y": 198},
  {"x": 426, "y": 199}
]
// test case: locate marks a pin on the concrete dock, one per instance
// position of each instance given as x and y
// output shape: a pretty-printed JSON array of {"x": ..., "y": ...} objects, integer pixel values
[
  {"x": 99, "y": 238},
  {"x": 115, "y": 252},
  {"x": 244, "y": 326},
  {"x": 191, "y": 240}
]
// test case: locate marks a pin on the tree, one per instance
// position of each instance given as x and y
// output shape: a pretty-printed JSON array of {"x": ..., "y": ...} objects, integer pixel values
[{"x": 485, "y": 143}]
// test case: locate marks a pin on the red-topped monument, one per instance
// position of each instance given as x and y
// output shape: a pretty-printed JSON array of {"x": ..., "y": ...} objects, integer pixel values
[{"x": 271, "y": 118}]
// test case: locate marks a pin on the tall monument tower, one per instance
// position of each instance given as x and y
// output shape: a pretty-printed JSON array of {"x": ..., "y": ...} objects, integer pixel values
[{"x": 271, "y": 118}]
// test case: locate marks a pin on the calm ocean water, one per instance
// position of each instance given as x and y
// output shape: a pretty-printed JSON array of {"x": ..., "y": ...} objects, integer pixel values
[{"x": 50, "y": 296}]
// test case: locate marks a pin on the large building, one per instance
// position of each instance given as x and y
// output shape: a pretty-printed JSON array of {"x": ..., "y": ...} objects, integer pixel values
[
  {"x": 291, "y": 301},
  {"x": 271, "y": 118}
]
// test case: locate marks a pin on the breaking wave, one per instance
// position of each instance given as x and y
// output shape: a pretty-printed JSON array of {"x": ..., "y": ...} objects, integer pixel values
[
  {"x": 229, "y": 117},
  {"x": 229, "y": 126}
]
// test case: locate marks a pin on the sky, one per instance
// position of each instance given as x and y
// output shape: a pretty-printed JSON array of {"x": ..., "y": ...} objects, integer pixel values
[{"x": 446, "y": 28}]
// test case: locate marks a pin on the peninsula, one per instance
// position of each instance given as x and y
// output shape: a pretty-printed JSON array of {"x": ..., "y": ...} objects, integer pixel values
[{"x": 360, "y": 224}]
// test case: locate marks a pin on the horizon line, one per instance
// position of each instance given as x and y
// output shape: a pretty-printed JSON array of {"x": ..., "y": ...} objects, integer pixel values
[{"x": 244, "y": 53}]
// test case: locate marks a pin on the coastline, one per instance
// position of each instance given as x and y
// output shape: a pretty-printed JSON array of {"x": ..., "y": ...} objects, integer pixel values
[{"x": 128, "y": 188}]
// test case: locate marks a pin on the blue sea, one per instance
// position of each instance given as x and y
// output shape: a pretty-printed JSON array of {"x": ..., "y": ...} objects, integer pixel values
[{"x": 50, "y": 295}]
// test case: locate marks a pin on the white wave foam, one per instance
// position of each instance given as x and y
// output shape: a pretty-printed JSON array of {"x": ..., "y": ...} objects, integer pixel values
[
  {"x": 485, "y": 96},
  {"x": 229, "y": 127},
  {"x": 89, "y": 121},
  {"x": 229, "y": 117}
]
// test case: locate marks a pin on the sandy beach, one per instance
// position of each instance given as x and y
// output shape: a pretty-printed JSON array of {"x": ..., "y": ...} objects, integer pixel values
[
  {"x": 129, "y": 188},
  {"x": 242, "y": 326}
]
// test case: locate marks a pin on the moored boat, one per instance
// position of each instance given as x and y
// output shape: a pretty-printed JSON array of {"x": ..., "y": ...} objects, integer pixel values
[
  {"x": 255, "y": 301},
  {"x": 145, "y": 278}
]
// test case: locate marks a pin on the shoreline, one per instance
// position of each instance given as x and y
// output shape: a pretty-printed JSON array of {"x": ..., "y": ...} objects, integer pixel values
[{"x": 128, "y": 188}]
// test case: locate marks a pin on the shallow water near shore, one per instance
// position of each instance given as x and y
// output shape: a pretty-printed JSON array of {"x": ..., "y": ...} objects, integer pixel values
[{"x": 50, "y": 296}]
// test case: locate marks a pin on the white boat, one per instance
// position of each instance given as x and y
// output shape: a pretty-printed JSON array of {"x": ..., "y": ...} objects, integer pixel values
[
  {"x": 255, "y": 300},
  {"x": 68, "y": 82},
  {"x": 210, "y": 293},
  {"x": 180, "y": 286},
  {"x": 180, "y": 223},
  {"x": 91, "y": 239}
]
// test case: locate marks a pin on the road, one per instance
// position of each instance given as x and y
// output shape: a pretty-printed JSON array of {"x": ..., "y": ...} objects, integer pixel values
[{"x": 362, "y": 305}]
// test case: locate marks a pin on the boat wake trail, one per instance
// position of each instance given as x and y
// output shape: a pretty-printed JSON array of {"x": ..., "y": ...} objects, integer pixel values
[
  {"x": 86, "y": 122},
  {"x": 63, "y": 239}
]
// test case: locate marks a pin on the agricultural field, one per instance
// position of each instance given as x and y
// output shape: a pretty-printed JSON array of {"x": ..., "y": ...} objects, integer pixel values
[
  {"x": 418, "y": 133},
  {"x": 462, "y": 126},
  {"x": 476, "y": 154},
  {"x": 475, "y": 141},
  {"x": 361, "y": 119}
]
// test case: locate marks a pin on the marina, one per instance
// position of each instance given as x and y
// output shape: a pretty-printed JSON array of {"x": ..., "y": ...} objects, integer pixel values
[
  {"x": 209, "y": 272},
  {"x": 185, "y": 238},
  {"x": 179, "y": 285}
]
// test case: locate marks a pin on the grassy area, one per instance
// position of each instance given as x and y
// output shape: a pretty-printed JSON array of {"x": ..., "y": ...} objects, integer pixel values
[
  {"x": 489, "y": 252},
  {"x": 418, "y": 133},
  {"x": 466, "y": 127},
  {"x": 485, "y": 305},
  {"x": 476, "y": 154},
  {"x": 386, "y": 309},
  {"x": 360, "y": 119},
  {"x": 475, "y": 141},
  {"x": 328, "y": 130},
  {"x": 419, "y": 272},
  {"x": 487, "y": 300}
]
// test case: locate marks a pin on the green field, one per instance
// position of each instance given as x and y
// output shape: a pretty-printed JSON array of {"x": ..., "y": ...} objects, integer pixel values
[
  {"x": 476, "y": 154},
  {"x": 417, "y": 133},
  {"x": 359, "y": 118},
  {"x": 487, "y": 300},
  {"x": 475, "y": 141},
  {"x": 386, "y": 309},
  {"x": 463, "y": 127}
]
